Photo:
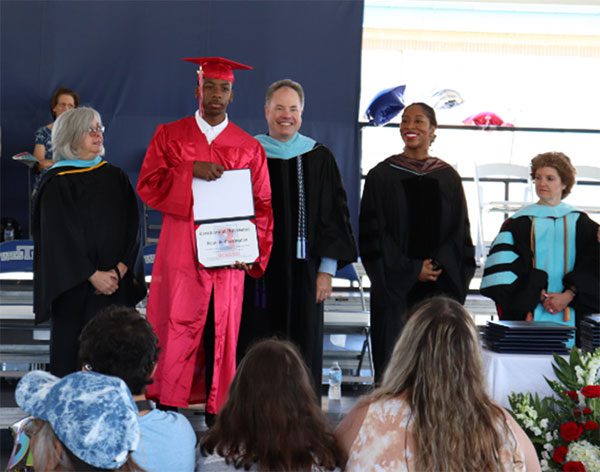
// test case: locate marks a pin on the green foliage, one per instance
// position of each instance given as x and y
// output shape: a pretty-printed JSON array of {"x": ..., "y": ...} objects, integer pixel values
[{"x": 541, "y": 418}]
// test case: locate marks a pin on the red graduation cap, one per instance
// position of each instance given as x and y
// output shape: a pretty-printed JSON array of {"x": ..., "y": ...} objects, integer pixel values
[{"x": 216, "y": 67}]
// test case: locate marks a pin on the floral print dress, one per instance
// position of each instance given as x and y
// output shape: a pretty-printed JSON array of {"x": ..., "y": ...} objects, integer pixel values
[{"x": 384, "y": 441}]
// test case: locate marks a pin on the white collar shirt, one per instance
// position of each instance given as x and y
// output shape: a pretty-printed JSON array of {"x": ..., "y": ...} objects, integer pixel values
[{"x": 211, "y": 132}]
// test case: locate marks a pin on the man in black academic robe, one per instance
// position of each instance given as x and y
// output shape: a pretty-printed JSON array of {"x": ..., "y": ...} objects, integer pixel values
[{"x": 312, "y": 236}]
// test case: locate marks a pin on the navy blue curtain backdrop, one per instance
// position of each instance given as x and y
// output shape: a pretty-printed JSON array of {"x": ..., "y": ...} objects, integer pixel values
[{"x": 123, "y": 58}]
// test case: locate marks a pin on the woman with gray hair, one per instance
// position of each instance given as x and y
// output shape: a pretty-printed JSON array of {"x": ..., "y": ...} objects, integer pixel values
[{"x": 86, "y": 235}]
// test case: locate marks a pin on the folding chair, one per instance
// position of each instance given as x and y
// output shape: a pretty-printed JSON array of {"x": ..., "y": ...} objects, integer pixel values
[{"x": 485, "y": 177}]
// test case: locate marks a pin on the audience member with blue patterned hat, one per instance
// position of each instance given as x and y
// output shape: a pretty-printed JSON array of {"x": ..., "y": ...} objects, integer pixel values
[{"x": 84, "y": 421}]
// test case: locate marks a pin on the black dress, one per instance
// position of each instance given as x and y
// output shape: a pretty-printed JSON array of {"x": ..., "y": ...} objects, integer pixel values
[
  {"x": 84, "y": 219},
  {"x": 283, "y": 301},
  {"x": 410, "y": 211}
]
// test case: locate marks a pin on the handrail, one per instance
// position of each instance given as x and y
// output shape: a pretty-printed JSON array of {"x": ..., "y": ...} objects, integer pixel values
[{"x": 534, "y": 129}]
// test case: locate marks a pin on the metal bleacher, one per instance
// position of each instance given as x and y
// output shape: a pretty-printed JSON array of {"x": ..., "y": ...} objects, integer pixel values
[
  {"x": 23, "y": 346},
  {"x": 347, "y": 336}
]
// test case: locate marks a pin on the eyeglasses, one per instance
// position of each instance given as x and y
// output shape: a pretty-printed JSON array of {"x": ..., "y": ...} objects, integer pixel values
[{"x": 96, "y": 131}]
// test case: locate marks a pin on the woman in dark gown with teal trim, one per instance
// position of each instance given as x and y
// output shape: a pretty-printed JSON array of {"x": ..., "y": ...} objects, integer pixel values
[
  {"x": 544, "y": 264},
  {"x": 86, "y": 235}
]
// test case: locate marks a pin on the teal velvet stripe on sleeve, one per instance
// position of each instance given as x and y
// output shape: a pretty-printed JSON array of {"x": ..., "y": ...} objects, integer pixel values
[
  {"x": 499, "y": 278},
  {"x": 500, "y": 257},
  {"x": 504, "y": 237}
]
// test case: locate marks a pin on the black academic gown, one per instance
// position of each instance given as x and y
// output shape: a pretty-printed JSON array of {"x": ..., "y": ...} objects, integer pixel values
[
  {"x": 84, "y": 219},
  {"x": 282, "y": 302},
  {"x": 406, "y": 216},
  {"x": 516, "y": 299}
]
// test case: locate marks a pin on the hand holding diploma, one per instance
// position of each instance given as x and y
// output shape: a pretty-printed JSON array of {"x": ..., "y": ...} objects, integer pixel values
[
  {"x": 208, "y": 170},
  {"x": 241, "y": 266}
]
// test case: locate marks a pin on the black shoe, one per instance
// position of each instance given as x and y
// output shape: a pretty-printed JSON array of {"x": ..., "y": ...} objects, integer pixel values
[{"x": 209, "y": 419}]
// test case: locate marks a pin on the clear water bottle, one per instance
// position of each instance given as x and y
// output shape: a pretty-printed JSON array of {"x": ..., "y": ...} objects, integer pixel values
[
  {"x": 335, "y": 382},
  {"x": 9, "y": 231}
]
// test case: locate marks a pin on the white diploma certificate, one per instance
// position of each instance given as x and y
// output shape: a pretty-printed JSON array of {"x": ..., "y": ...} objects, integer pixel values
[
  {"x": 222, "y": 244},
  {"x": 229, "y": 197},
  {"x": 223, "y": 209}
]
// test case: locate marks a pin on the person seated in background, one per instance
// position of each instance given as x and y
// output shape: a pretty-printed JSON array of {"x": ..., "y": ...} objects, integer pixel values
[
  {"x": 431, "y": 411},
  {"x": 63, "y": 99},
  {"x": 83, "y": 422},
  {"x": 544, "y": 265},
  {"x": 119, "y": 341},
  {"x": 272, "y": 419}
]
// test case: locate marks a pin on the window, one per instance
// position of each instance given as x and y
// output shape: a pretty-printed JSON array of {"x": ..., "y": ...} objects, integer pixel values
[{"x": 534, "y": 64}]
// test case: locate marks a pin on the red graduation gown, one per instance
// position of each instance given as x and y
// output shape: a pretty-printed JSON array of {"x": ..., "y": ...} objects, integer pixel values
[{"x": 180, "y": 294}]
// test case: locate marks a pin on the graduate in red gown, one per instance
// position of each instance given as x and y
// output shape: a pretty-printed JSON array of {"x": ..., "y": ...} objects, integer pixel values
[{"x": 184, "y": 297}]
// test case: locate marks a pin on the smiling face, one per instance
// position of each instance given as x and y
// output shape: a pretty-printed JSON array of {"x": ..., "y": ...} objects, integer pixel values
[
  {"x": 548, "y": 186},
  {"x": 91, "y": 144},
  {"x": 217, "y": 94},
  {"x": 283, "y": 113},
  {"x": 416, "y": 129}
]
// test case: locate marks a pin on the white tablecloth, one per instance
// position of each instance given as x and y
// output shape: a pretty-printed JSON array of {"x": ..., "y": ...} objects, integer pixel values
[{"x": 506, "y": 373}]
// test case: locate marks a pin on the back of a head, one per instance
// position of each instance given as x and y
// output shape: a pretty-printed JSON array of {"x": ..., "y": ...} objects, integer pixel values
[
  {"x": 438, "y": 348},
  {"x": 119, "y": 341},
  {"x": 272, "y": 371},
  {"x": 272, "y": 415},
  {"x": 437, "y": 364},
  {"x": 93, "y": 416}
]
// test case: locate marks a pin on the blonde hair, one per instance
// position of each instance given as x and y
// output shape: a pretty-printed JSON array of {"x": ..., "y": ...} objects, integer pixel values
[
  {"x": 437, "y": 364},
  {"x": 47, "y": 456}
]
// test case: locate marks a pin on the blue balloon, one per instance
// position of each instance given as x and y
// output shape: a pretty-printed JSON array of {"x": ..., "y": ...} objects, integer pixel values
[{"x": 386, "y": 105}]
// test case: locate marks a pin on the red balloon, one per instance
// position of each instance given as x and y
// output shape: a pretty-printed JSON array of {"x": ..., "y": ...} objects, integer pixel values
[{"x": 485, "y": 118}]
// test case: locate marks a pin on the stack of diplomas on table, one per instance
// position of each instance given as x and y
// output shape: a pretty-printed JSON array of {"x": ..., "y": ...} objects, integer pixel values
[
  {"x": 589, "y": 332},
  {"x": 528, "y": 337},
  {"x": 223, "y": 210}
]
